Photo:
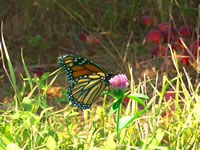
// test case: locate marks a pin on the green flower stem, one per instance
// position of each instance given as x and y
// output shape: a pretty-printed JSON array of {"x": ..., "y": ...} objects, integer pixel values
[{"x": 118, "y": 117}]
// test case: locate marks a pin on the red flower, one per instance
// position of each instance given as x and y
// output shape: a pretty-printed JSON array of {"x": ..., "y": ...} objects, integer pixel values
[
  {"x": 91, "y": 38},
  {"x": 125, "y": 101},
  {"x": 193, "y": 49},
  {"x": 169, "y": 94},
  {"x": 185, "y": 31},
  {"x": 38, "y": 71},
  {"x": 163, "y": 26},
  {"x": 169, "y": 33},
  {"x": 158, "y": 50},
  {"x": 177, "y": 44},
  {"x": 82, "y": 36},
  {"x": 186, "y": 57},
  {"x": 146, "y": 21},
  {"x": 154, "y": 36},
  {"x": 170, "y": 112}
]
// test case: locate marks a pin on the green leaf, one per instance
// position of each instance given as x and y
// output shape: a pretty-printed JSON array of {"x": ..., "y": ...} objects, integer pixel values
[
  {"x": 137, "y": 99},
  {"x": 42, "y": 85},
  {"x": 45, "y": 76},
  {"x": 27, "y": 103},
  {"x": 54, "y": 134},
  {"x": 115, "y": 106},
  {"x": 155, "y": 139},
  {"x": 138, "y": 95},
  {"x": 159, "y": 135},
  {"x": 125, "y": 121},
  {"x": 7, "y": 138},
  {"x": 28, "y": 117},
  {"x": 51, "y": 143},
  {"x": 112, "y": 110}
]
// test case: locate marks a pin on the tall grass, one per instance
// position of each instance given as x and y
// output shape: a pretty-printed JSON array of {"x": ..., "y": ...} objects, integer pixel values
[
  {"x": 29, "y": 122},
  {"x": 35, "y": 125}
]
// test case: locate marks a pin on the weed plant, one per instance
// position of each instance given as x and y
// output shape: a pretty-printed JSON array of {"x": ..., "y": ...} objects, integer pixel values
[{"x": 30, "y": 122}]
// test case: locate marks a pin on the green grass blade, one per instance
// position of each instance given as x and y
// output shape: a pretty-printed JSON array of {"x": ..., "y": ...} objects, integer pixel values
[
  {"x": 124, "y": 122},
  {"x": 26, "y": 71},
  {"x": 10, "y": 66}
]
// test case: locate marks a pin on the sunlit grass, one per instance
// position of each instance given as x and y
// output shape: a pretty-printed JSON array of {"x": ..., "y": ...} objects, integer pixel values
[
  {"x": 35, "y": 125},
  {"x": 30, "y": 122}
]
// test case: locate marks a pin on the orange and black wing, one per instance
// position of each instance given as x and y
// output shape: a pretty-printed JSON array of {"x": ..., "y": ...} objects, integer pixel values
[
  {"x": 85, "y": 90},
  {"x": 77, "y": 66},
  {"x": 87, "y": 79}
]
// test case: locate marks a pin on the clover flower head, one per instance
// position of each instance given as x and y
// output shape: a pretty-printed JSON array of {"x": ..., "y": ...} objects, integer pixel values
[{"x": 119, "y": 81}]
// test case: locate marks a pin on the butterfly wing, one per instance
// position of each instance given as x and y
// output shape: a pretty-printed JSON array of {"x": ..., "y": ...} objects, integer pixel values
[
  {"x": 84, "y": 90},
  {"x": 77, "y": 66},
  {"x": 87, "y": 79}
]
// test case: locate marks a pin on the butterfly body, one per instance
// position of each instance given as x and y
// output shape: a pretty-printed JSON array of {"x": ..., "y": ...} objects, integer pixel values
[{"x": 86, "y": 79}]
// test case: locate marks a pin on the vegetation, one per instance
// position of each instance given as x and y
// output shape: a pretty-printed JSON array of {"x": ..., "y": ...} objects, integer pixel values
[{"x": 123, "y": 36}]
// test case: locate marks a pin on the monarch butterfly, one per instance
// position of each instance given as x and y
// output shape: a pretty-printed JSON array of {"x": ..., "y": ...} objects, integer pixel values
[{"x": 86, "y": 79}]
